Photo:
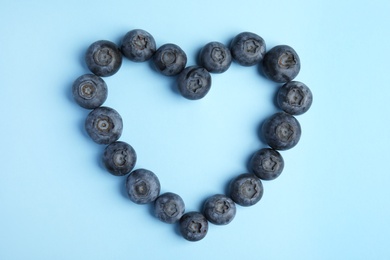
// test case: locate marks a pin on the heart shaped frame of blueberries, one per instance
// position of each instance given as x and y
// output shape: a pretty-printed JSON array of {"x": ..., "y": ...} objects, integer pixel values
[{"x": 281, "y": 131}]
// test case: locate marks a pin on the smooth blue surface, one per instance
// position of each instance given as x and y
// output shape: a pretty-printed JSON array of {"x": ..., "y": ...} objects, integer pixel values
[{"x": 331, "y": 201}]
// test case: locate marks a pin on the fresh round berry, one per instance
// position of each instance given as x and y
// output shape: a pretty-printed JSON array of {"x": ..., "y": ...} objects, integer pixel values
[
  {"x": 193, "y": 226},
  {"x": 138, "y": 45},
  {"x": 89, "y": 91},
  {"x": 215, "y": 57},
  {"x": 219, "y": 209},
  {"x": 169, "y": 207},
  {"x": 169, "y": 59},
  {"x": 246, "y": 189},
  {"x": 281, "y": 131},
  {"x": 294, "y": 98},
  {"x": 281, "y": 64},
  {"x": 104, "y": 125},
  {"x": 267, "y": 164},
  {"x": 142, "y": 186},
  {"x": 103, "y": 58},
  {"x": 194, "y": 82},
  {"x": 119, "y": 158},
  {"x": 247, "y": 49}
]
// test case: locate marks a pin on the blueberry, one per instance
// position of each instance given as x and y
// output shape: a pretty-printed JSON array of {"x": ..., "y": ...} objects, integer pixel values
[
  {"x": 138, "y": 45},
  {"x": 215, "y": 57},
  {"x": 170, "y": 59},
  {"x": 281, "y": 64},
  {"x": 169, "y": 207},
  {"x": 89, "y": 91},
  {"x": 103, "y": 58},
  {"x": 194, "y": 82},
  {"x": 142, "y": 186},
  {"x": 219, "y": 209},
  {"x": 119, "y": 158},
  {"x": 281, "y": 131},
  {"x": 193, "y": 226},
  {"x": 247, "y": 49},
  {"x": 294, "y": 98},
  {"x": 267, "y": 164},
  {"x": 104, "y": 125},
  {"x": 246, "y": 189}
]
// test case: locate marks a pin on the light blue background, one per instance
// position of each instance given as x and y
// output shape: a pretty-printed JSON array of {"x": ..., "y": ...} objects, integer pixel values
[{"x": 331, "y": 201}]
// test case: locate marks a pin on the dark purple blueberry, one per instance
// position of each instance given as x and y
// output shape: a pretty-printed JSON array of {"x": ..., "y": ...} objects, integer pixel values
[
  {"x": 138, "y": 45},
  {"x": 215, "y": 57},
  {"x": 194, "y": 82},
  {"x": 267, "y": 164},
  {"x": 247, "y": 49},
  {"x": 104, "y": 125},
  {"x": 142, "y": 186},
  {"x": 169, "y": 207},
  {"x": 170, "y": 59},
  {"x": 294, "y": 98},
  {"x": 119, "y": 158},
  {"x": 281, "y": 131},
  {"x": 219, "y": 209},
  {"x": 103, "y": 58},
  {"x": 246, "y": 189},
  {"x": 281, "y": 64},
  {"x": 193, "y": 226},
  {"x": 89, "y": 91}
]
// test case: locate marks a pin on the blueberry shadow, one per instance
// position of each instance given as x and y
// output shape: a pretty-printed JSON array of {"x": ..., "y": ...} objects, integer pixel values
[
  {"x": 81, "y": 58},
  {"x": 118, "y": 41},
  {"x": 227, "y": 186},
  {"x": 99, "y": 160},
  {"x": 248, "y": 162},
  {"x": 99, "y": 148},
  {"x": 197, "y": 56},
  {"x": 260, "y": 132},
  {"x": 81, "y": 126},
  {"x": 176, "y": 229},
  {"x": 150, "y": 208},
  {"x": 172, "y": 79},
  {"x": 173, "y": 86},
  {"x": 122, "y": 190},
  {"x": 275, "y": 99},
  {"x": 152, "y": 66},
  {"x": 260, "y": 70},
  {"x": 68, "y": 92}
]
